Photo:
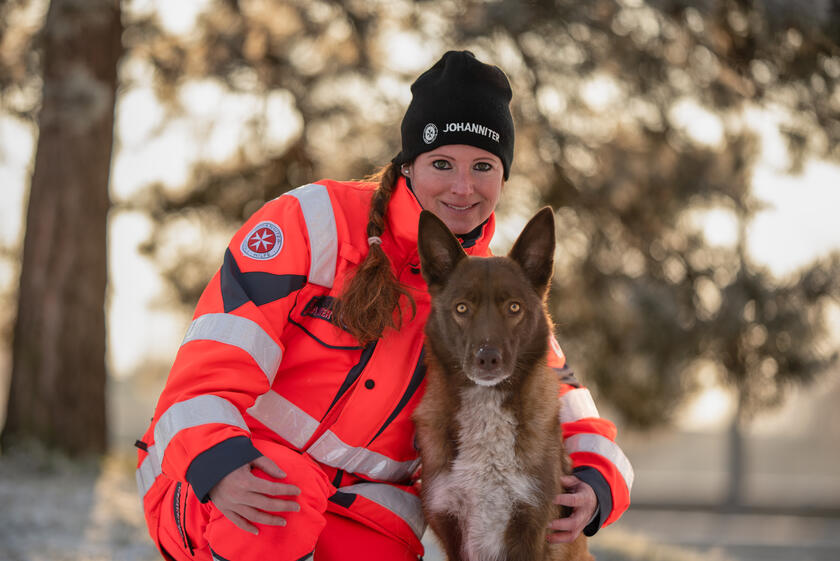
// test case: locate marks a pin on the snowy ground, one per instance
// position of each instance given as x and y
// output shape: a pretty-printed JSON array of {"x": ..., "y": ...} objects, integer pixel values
[{"x": 52, "y": 509}]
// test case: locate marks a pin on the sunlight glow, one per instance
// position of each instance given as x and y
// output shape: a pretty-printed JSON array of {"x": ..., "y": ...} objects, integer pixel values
[
  {"x": 600, "y": 92},
  {"x": 17, "y": 144},
  {"x": 175, "y": 17},
  {"x": 701, "y": 125},
  {"x": 718, "y": 224},
  {"x": 407, "y": 52},
  {"x": 214, "y": 126},
  {"x": 165, "y": 158},
  {"x": 712, "y": 408},
  {"x": 800, "y": 223},
  {"x": 138, "y": 332}
]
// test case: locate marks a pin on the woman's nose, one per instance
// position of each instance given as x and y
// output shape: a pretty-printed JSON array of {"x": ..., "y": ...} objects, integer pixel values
[{"x": 463, "y": 182}]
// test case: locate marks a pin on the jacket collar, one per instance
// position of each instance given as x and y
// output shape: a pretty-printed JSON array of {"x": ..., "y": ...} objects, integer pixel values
[{"x": 404, "y": 215}]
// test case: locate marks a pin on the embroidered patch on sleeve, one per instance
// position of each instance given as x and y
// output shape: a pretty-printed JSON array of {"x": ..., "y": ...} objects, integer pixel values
[{"x": 263, "y": 242}]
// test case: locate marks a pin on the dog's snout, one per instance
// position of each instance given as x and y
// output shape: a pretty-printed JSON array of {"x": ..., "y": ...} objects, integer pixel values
[{"x": 488, "y": 358}]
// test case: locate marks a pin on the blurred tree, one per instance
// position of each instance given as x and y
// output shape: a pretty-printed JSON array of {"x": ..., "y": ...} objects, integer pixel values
[
  {"x": 57, "y": 393},
  {"x": 608, "y": 96},
  {"x": 19, "y": 97}
]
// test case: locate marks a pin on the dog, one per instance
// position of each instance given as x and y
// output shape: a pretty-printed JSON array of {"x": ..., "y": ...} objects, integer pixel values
[{"x": 487, "y": 426}]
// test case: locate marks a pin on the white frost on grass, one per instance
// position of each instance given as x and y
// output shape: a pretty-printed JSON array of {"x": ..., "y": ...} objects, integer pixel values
[{"x": 55, "y": 509}]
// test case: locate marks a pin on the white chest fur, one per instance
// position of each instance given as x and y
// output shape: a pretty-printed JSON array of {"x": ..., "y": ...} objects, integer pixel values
[{"x": 486, "y": 479}]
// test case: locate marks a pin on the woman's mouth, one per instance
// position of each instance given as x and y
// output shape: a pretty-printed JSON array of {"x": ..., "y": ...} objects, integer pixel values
[{"x": 459, "y": 208}]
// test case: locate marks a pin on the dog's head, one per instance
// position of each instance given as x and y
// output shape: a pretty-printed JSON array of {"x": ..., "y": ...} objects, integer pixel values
[{"x": 488, "y": 316}]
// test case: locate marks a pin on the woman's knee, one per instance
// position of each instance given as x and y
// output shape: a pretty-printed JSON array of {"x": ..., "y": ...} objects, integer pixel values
[{"x": 298, "y": 536}]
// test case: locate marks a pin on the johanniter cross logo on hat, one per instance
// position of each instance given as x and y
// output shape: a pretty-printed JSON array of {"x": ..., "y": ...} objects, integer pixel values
[{"x": 429, "y": 133}]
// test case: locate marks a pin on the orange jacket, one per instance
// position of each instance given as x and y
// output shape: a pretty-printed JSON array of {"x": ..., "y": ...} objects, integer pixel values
[{"x": 262, "y": 357}]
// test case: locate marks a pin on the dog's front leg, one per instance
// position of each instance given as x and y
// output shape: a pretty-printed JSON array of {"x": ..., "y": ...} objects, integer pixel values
[
  {"x": 525, "y": 536},
  {"x": 448, "y": 531}
]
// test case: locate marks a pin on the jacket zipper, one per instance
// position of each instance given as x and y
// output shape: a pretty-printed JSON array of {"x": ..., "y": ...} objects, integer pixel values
[
  {"x": 338, "y": 404},
  {"x": 181, "y": 517}
]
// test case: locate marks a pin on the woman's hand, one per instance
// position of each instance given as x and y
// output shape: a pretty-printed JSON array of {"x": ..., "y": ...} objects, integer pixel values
[
  {"x": 580, "y": 497},
  {"x": 245, "y": 498}
]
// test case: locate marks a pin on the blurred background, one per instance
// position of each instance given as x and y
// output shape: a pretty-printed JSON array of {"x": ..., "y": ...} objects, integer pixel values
[{"x": 689, "y": 148}]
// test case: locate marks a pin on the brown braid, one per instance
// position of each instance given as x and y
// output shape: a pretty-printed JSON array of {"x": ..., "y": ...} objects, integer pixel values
[{"x": 372, "y": 296}]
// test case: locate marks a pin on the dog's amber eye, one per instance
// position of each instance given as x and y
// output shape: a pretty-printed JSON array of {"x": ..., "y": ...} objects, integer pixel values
[
  {"x": 461, "y": 308},
  {"x": 514, "y": 307}
]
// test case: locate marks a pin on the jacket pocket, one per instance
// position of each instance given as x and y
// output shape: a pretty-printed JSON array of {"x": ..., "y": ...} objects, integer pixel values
[{"x": 314, "y": 314}]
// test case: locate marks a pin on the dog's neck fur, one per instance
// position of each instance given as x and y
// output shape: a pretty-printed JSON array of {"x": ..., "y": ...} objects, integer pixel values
[{"x": 486, "y": 477}]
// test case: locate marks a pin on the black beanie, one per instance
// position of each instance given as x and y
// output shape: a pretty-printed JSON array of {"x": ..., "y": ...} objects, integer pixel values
[{"x": 459, "y": 100}]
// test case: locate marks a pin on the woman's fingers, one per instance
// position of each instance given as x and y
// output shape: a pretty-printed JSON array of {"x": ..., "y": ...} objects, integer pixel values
[
  {"x": 581, "y": 500},
  {"x": 251, "y": 509},
  {"x": 239, "y": 521},
  {"x": 569, "y": 499},
  {"x": 569, "y": 481},
  {"x": 269, "y": 467},
  {"x": 252, "y": 514},
  {"x": 569, "y": 524},
  {"x": 266, "y": 487},
  {"x": 565, "y": 530},
  {"x": 270, "y": 504}
]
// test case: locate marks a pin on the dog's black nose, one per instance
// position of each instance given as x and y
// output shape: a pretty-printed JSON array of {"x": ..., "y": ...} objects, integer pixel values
[{"x": 488, "y": 358}]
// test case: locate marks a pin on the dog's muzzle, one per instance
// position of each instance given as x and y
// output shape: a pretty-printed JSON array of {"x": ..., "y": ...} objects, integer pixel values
[{"x": 487, "y": 366}]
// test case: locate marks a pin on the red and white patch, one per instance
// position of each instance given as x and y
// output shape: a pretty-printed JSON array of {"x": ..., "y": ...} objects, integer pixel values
[{"x": 263, "y": 242}]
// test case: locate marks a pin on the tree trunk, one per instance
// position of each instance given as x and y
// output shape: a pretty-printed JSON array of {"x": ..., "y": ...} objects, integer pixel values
[
  {"x": 57, "y": 393},
  {"x": 737, "y": 456}
]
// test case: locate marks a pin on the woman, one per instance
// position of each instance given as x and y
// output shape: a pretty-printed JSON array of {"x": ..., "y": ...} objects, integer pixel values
[{"x": 284, "y": 429}]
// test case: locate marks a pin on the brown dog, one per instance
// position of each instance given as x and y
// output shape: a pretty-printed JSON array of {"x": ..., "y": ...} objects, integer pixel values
[{"x": 487, "y": 426}]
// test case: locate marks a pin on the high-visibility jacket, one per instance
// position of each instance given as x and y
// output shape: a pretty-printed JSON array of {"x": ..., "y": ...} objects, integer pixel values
[{"x": 264, "y": 358}]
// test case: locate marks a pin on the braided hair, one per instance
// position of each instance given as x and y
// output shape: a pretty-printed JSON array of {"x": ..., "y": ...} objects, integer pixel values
[{"x": 371, "y": 299}]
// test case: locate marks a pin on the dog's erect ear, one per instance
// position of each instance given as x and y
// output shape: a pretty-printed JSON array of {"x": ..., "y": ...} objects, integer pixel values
[
  {"x": 534, "y": 250},
  {"x": 440, "y": 251}
]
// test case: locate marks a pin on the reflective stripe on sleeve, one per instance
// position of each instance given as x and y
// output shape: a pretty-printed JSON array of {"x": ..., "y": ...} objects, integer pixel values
[
  {"x": 577, "y": 404},
  {"x": 330, "y": 450},
  {"x": 603, "y": 446},
  {"x": 403, "y": 504},
  {"x": 148, "y": 471},
  {"x": 200, "y": 410},
  {"x": 320, "y": 225},
  {"x": 239, "y": 332},
  {"x": 285, "y": 418}
]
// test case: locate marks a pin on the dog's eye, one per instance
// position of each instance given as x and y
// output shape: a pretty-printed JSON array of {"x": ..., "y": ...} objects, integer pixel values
[
  {"x": 461, "y": 308},
  {"x": 514, "y": 307}
]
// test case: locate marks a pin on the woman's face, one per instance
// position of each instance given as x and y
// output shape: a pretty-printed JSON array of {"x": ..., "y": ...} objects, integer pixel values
[{"x": 461, "y": 184}]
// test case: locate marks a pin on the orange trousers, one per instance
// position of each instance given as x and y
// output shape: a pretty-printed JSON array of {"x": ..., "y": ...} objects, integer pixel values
[{"x": 191, "y": 531}]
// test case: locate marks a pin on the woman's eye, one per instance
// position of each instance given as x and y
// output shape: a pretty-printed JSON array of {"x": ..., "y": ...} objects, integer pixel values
[
  {"x": 441, "y": 164},
  {"x": 461, "y": 308},
  {"x": 483, "y": 166},
  {"x": 514, "y": 307}
]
